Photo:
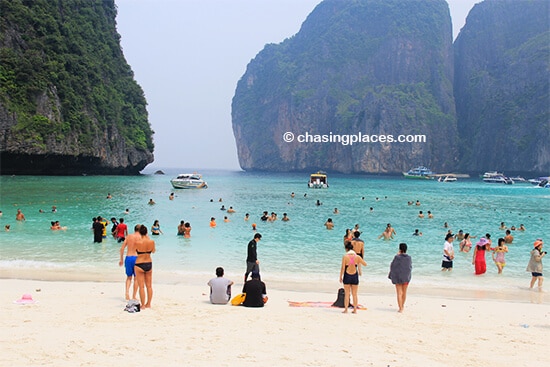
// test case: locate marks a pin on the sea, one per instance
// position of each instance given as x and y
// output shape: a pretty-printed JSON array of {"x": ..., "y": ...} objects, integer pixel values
[{"x": 299, "y": 251}]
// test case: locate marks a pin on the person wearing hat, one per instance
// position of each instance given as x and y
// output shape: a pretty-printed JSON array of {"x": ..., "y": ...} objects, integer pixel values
[
  {"x": 478, "y": 259},
  {"x": 256, "y": 293},
  {"x": 535, "y": 264}
]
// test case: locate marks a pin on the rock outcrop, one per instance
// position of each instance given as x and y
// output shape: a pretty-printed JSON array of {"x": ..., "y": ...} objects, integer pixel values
[
  {"x": 502, "y": 76},
  {"x": 389, "y": 67},
  {"x": 68, "y": 102},
  {"x": 376, "y": 67}
]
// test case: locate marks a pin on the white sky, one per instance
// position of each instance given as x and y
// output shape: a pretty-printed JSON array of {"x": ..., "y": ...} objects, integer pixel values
[{"x": 188, "y": 56}]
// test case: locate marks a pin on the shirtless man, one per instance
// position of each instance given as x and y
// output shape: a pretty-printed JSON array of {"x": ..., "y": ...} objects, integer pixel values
[
  {"x": 508, "y": 239},
  {"x": 359, "y": 248},
  {"x": 20, "y": 216},
  {"x": 129, "y": 262},
  {"x": 358, "y": 244}
]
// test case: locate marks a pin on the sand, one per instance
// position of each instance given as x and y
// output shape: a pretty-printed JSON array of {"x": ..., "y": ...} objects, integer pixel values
[{"x": 80, "y": 323}]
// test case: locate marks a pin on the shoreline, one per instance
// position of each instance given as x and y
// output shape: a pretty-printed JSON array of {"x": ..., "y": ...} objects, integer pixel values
[
  {"x": 446, "y": 289},
  {"x": 80, "y": 323}
]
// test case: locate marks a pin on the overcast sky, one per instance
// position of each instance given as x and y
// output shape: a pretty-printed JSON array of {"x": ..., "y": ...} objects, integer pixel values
[{"x": 188, "y": 56}]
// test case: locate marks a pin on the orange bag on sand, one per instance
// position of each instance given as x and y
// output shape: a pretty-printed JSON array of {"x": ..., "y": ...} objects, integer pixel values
[{"x": 238, "y": 299}]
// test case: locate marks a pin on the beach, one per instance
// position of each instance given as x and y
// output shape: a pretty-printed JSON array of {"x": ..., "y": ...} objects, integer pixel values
[
  {"x": 76, "y": 323},
  {"x": 451, "y": 318}
]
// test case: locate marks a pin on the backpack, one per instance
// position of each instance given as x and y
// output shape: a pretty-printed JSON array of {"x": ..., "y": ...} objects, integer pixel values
[{"x": 340, "y": 299}]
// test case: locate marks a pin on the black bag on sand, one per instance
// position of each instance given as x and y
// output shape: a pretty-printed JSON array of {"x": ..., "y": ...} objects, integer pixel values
[{"x": 340, "y": 299}]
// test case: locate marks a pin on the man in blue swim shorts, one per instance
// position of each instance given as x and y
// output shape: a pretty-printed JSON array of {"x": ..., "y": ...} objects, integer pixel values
[{"x": 130, "y": 260}]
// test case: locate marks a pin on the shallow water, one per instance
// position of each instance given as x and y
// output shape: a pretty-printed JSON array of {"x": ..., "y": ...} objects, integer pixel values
[{"x": 301, "y": 249}]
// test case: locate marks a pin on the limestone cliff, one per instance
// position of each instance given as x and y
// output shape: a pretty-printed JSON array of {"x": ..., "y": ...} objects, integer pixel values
[
  {"x": 377, "y": 67},
  {"x": 68, "y": 100},
  {"x": 502, "y": 76}
]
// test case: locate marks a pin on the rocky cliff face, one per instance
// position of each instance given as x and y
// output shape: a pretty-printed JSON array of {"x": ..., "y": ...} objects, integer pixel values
[
  {"x": 386, "y": 67},
  {"x": 376, "y": 67},
  {"x": 68, "y": 101},
  {"x": 502, "y": 76}
]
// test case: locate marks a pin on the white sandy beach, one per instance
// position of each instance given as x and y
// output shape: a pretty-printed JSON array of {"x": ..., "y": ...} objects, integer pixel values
[{"x": 83, "y": 324}]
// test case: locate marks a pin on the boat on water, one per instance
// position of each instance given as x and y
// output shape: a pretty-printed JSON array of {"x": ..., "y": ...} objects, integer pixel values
[
  {"x": 318, "y": 180},
  {"x": 188, "y": 181},
  {"x": 496, "y": 177},
  {"x": 537, "y": 181},
  {"x": 420, "y": 172},
  {"x": 447, "y": 178}
]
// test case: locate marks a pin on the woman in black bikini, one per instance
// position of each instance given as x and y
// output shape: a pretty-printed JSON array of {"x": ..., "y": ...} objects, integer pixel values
[
  {"x": 349, "y": 275},
  {"x": 144, "y": 266}
]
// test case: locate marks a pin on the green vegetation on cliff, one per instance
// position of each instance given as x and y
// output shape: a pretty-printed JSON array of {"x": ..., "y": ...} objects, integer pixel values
[{"x": 62, "y": 72}]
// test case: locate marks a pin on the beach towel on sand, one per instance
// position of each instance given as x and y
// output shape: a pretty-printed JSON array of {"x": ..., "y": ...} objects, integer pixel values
[{"x": 319, "y": 304}]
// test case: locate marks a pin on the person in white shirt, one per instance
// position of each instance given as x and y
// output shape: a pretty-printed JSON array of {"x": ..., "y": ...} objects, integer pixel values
[{"x": 220, "y": 288}]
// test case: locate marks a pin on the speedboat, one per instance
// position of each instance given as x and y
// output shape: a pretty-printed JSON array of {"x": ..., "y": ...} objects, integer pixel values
[
  {"x": 188, "y": 181},
  {"x": 496, "y": 177},
  {"x": 447, "y": 178},
  {"x": 519, "y": 179},
  {"x": 318, "y": 180},
  {"x": 537, "y": 181},
  {"x": 419, "y": 172}
]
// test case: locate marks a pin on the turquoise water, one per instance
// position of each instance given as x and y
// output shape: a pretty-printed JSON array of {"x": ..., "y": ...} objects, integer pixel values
[{"x": 301, "y": 249}]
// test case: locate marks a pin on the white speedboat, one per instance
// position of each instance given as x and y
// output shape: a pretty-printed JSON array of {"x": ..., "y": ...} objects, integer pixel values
[
  {"x": 318, "y": 180},
  {"x": 537, "y": 181},
  {"x": 419, "y": 172},
  {"x": 188, "y": 181},
  {"x": 447, "y": 178},
  {"x": 496, "y": 177}
]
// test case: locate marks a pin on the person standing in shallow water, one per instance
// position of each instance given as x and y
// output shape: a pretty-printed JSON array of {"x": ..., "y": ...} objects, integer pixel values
[
  {"x": 479, "y": 256},
  {"x": 535, "y": 264},
  {"x": 400, "y": 274},
  {"x": 448, "y": 253},
  {"x": 498, "y": 254}
]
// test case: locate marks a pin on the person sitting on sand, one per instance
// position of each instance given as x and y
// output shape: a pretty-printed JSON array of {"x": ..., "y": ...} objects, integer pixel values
[
  {"x": 329, "y": 224},
  {"x": 220, "y": 288},
  {"x": 256, "y": 292}
]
